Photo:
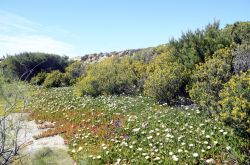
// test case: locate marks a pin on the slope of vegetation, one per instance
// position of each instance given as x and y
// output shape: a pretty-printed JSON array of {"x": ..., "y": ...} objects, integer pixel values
[{"x": 132, "y": 108}]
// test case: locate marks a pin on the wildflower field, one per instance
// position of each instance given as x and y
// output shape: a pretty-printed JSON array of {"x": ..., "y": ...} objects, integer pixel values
[{"x": 134, "y": 130}]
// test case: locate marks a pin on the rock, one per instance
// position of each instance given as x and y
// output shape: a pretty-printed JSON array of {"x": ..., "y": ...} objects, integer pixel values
[{"x": 96, "y": 57}]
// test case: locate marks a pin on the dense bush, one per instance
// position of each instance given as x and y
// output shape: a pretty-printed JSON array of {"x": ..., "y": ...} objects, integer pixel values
[
  {"x": 112, "y": 76},
  {"x": 239, "y": 32},
  {"x": 7, "y": 75},
  {"x": 39, "y": 78},
  {"x": 76, "y": 69},
  {"x": 235, "y": 102},
  {"x": 57, "y": 79},
  {"x": 26, "y": 65},
  {"x": 194, "y": 47},
  {"x": 166, "y": 77},
  {"x": 209, "y": 77}
]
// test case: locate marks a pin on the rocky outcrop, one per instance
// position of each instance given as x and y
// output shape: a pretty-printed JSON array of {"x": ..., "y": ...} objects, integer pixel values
[{"x": 96, "y": 57}]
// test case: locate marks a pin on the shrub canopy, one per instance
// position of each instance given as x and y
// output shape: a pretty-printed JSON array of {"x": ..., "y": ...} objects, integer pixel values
[{"x": 26, "y": 65}]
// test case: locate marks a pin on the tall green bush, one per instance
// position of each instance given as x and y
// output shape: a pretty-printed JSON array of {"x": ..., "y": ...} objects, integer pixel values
[
  {"x": 193, "y": 47},
  {"x": 239, "y": 32},
  {"x": 166, "y": 77}
]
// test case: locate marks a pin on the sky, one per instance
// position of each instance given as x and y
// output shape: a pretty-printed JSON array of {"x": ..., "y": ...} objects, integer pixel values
[{"x": 78, "y": 27}]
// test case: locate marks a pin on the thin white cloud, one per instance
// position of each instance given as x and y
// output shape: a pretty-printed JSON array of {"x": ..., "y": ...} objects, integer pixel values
[
  {"x": 34, "y": 43},
  {"x": 10, "y": 22},
  {"x": 18, "y": 34}
]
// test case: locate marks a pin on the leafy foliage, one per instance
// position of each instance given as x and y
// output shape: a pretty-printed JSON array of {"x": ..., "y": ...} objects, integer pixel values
[
  {"x": 239, "y": 32},
  {"x": 76, "y": 69},
  {"x": 165, "y": 78},
  {"x": 7, "y": 76},
  {"x": 57, "y": 79},
  {"x": 112, "y": 76},
  {"x": 209, "y": 77},
  {"x": 235, "y": 102},
  {"x": 193, "y": 47},
  {"x": 26, "y": 65},
  {"x": 39, "y": 78}
]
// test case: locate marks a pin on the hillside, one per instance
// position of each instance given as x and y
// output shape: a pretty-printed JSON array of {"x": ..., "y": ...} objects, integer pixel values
[{"x": 183, "y": 102}]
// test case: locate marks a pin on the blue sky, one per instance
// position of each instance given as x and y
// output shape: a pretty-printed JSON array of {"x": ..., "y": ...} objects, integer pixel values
[{"x": 78, "y": 27}]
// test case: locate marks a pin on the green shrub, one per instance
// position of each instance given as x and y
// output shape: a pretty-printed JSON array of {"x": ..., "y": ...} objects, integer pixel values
[
  {"x": 239, "y": 32},
  {"x": 165, "y": 78},
  {"x": 235, "y": 102},
  {"x": 7, "y": 75},
  {"x": 57, "y": 79},
  {"x": 112, "y": 76},
  {"x": 89, "y": 85},
  {"x": 76, "y": 69},
  {"x": 193, "y": 47},
  {"x": 67, "y": 80},
  {"x": 208, "y": 79},
  {"x": 39, "y": 78},
  {"x": 26, "y": 65}
]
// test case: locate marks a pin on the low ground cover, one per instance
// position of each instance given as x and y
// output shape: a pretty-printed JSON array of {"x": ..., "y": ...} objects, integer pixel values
[{"x": 113, "y": 129}]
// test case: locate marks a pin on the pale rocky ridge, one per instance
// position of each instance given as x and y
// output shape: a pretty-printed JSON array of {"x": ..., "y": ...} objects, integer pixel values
[{"x": 96, "y": 57}]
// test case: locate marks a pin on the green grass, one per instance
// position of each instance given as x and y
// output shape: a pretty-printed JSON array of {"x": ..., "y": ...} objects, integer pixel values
[
  {"x": 1, "y": 107},
  {"x": 16, "y": 109},
  {"x": 134, "y": 129},
  {"x": 46, "y": 156}
]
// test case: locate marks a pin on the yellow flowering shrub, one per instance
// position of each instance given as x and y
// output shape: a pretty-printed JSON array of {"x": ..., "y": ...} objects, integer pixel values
[
  {"x": 165, "y": 77},
  {"x": 235, "y": 102},
  {"x": 57, "y": 79},
  {"x": 208, "y": 79},
  {"x": 112, "y": 76}
]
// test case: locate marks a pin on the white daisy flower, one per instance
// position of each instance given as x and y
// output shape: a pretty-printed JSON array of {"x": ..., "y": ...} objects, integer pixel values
[{"x": 195, "y": 155}]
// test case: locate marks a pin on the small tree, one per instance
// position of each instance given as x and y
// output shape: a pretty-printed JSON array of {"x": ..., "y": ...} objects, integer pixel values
[{"x": 11, "y": 97}]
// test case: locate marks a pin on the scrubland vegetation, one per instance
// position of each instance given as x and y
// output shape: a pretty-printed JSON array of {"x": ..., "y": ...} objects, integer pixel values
[{"x": 187, "y": 101}]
